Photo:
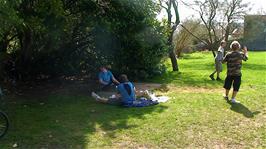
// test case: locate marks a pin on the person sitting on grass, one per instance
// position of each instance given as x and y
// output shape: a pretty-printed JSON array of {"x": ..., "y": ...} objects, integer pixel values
[
  {"x": 126, "y": 91},
  {"x": 126, "y": 95},
  {"x": 218, "y": 61},
  {"x": 106, "y": 78},
  {"x": 234, "y": 64}
]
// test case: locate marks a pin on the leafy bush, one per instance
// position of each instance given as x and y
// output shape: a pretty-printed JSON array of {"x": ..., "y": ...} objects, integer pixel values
[{"x": 61, "y": 37}]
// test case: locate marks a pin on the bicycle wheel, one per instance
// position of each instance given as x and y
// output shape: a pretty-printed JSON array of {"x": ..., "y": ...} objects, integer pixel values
[{"x": 4, "y": 123}]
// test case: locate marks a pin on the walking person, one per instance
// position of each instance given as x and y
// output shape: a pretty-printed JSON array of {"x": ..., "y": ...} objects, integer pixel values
[
  {"x": 234, "y": 64},
  {"x": 218, "y": 61}
]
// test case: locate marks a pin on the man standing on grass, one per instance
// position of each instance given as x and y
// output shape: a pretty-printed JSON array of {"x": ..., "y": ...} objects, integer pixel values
[
  {"x": 234, "y": 64},
  {"x": 218, "y": 61}
]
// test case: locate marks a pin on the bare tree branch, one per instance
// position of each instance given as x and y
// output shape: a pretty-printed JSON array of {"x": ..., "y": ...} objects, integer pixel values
[
  {"x": 175, "y": 5},
  {"x": 161, "y": 5}
]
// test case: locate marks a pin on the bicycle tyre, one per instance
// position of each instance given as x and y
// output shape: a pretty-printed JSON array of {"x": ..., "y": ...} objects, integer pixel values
[{"x": 4, "y": 124}]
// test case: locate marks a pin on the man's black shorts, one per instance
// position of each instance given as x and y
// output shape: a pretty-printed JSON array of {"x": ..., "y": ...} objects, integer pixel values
[{"x": 235, "y": 80}]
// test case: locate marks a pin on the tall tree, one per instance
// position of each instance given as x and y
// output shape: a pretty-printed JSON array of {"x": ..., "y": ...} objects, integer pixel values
[
  {"x": 218, "y": 18},
  {"x": 207, "y": 11},
  {"x": 232, "y": 10},
  {"x": 169, "y": 6}
]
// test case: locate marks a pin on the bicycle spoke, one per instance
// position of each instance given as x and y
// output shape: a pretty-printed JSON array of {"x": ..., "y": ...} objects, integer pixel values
[{"x": 2, "y": 126}]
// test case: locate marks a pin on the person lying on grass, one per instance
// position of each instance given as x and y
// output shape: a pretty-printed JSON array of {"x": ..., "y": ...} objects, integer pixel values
[
  {"x": 234, "y": 64},
  {"x": 126, "y": 95},
  {"x": 218, "y": 61},
  {"x": 106, "y": 78}
]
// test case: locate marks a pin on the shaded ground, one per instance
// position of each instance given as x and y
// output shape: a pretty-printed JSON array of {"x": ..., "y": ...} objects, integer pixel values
[{"x": 68, "y": 87}]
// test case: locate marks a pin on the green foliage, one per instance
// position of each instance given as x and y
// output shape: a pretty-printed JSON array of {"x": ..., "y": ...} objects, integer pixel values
[
  {"x": 65, "y": 37},
  {"x": 133, "y": 42},
  {"x": 8, "y": 16}
]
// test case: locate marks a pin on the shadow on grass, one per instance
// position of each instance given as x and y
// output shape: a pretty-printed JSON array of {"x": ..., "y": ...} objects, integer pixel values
[
  {"x": 61, "y": 121},
  {"x": 242, "y": 109}
]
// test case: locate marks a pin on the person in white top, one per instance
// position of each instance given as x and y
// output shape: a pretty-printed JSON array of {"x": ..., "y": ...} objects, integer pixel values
[{"x": 218, "y": 61}]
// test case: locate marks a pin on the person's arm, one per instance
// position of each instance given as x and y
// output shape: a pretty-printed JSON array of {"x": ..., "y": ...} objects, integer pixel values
[
  {"x": 225, "y": 59},
  {"x": 101, "y": 80},
  {"x": 245, "y": 50},
  {"x": 114, "y": 79}
]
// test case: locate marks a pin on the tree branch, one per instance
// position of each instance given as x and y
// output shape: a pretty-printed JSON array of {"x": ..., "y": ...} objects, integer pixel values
[
  {"x": 161, "y": 5},
  {"x": 175, "y": 5}
]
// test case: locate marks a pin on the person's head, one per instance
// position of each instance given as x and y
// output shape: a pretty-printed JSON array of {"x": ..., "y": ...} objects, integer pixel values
[
  {"x": 223, "y": 44},
  {"x": 235, "y": 45},
  {"x": 123, "y": 78},
  {"x": 103, "y": 69},
  {"x": 108, "y": 67}
]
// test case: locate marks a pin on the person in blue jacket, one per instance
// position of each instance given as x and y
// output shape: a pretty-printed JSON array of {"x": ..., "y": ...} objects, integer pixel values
[
  {"x": 106, "y": 78},
  {"x": 126, "y": 91}
]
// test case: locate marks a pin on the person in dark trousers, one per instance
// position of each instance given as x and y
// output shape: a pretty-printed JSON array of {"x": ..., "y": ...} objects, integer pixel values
[
  {"x": 234, "y": 64},
  {"x": 218, "y": 61}
]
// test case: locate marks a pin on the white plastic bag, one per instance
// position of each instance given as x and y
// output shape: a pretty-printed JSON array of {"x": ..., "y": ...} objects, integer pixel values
[{"x": 158, "y": 99}]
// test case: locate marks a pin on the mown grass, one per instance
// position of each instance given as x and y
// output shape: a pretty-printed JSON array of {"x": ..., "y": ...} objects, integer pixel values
[{"x": 195, "y": 117}]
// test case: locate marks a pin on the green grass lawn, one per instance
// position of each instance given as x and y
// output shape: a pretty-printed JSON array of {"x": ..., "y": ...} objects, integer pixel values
[{"x": 195, "y": 117}]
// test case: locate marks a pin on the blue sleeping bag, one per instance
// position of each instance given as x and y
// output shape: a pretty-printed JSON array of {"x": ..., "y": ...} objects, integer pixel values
[{"x": 142, "y": 102}]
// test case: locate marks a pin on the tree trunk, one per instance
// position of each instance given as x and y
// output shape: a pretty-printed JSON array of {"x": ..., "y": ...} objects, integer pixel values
[
  {"x": 211, "y": 47},
  {"x": 172, "y": 56},
  {"x": 172, "y": 53},
  {"x": 25, "y": 38},
  {"x": 226, "y": 33},
  {"x": 213, "y": 53}
]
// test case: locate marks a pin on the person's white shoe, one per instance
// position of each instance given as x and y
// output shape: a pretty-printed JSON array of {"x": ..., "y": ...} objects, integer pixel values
[
  {"x": 113, "y": 96},
  {"x": 235, "y": 101}
]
